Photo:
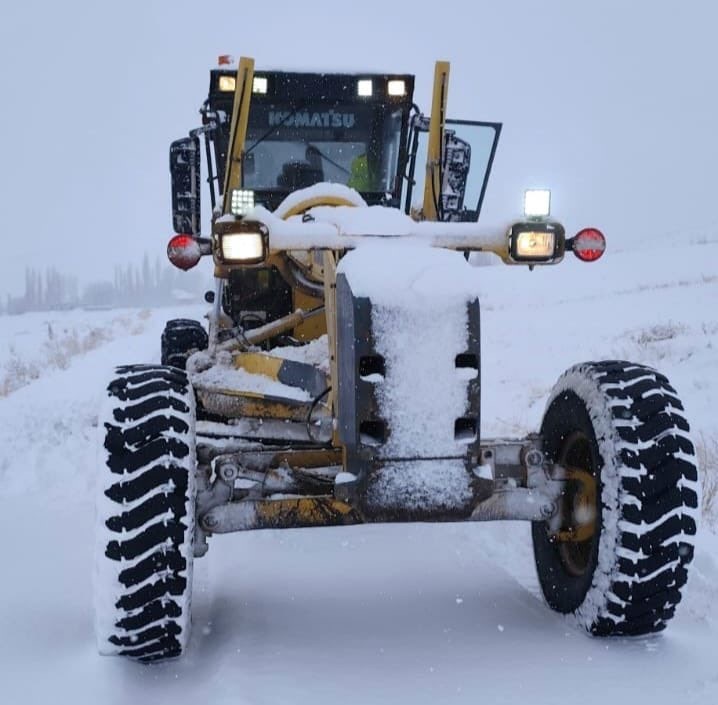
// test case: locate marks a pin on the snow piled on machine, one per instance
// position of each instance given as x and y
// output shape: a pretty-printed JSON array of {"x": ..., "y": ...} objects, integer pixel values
[
  {"x": 224, "y": 376},
  {"x": 333, "y": 216},
  {"x": 319, "y": 191},
  {"x": 414, "y": 289},
  {"x": 315, "y": 352}
]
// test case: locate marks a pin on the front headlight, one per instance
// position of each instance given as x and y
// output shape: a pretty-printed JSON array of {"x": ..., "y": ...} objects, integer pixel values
[
  {"x": 242, "y": 242},
  {"x": 242, "y": 247},
  {"x": 536, "y": 242},
  {"x": 532, "y": 244}
]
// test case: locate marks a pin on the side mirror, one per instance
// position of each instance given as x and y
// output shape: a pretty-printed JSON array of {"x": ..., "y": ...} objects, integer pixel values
[
  {"x": 185, "y": 161},
  {"x": 457, "y": 161}
]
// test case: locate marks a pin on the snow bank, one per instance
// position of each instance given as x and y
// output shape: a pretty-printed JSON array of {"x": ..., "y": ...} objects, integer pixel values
[{"x": 35, "y": 344}]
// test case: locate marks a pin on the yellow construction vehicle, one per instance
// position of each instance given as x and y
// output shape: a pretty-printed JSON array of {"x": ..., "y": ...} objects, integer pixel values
[{"x": 338, "y": 381}]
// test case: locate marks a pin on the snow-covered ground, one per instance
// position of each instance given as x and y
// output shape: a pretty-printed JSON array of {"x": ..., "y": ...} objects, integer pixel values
[{"x": 375, "y": 614}]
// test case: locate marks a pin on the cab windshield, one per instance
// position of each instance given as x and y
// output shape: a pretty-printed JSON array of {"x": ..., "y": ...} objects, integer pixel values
[{"x": 295, "y": 146}]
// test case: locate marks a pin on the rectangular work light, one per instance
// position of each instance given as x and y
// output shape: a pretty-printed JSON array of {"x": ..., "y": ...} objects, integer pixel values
[
  {"x": 240, "y": 242},
  {"x": 532, "y": 245},
  {"x": 536, "y": 242},
  {"x": 242, "y": 247}
]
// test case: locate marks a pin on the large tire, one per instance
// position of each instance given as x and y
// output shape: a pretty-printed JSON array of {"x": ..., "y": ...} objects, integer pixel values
[
  {"x": 180, "y": 338},
  {"x": 618, "y": 564},
  {"x": 145, "y": 514}
]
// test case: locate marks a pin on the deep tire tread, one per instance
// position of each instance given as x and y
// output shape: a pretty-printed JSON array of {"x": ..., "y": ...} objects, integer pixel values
[
  {"x": 147, "y": 519},
  {"x": 657, "y": 497}
]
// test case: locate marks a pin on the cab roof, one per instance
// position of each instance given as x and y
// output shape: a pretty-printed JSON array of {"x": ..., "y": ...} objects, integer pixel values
[{"x": 283, "y": 86}]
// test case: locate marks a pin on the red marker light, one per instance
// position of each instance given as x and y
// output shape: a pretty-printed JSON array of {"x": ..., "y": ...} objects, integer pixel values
[
  {"x": 225, "y": 60},
  {"x": 183, "y": 251},
  {"x": 589, "y": 244}
]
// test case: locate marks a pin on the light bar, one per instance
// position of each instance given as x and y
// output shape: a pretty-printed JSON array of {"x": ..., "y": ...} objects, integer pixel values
[
  {"x": 537, "y": 203},
  {"x": 242, "y": 201},
  {"x": 396, "y": 87},
  {"x": 227, "y": 84},
  {"x": 365, "y": 87},
  {"x": 247, "y": 248},
  {"x": 259, "y": 85}
]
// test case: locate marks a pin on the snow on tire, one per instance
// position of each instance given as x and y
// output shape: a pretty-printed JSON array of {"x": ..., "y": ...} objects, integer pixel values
[
  {"x": 620, "y": 568},
  {"x": 145, "y": 514}
]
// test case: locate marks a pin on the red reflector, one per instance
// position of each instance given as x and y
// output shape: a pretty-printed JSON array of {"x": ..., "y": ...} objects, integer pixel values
[
  {"x": 183, "y": 251},
  {"x": 589, "y": 244}
]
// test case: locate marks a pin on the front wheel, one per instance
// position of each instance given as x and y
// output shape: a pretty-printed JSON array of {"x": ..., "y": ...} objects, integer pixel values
[
  {"x": 180, "y": 338},
  {"x": 617, "y": 554},
  {"x": 145, "y": 514}
]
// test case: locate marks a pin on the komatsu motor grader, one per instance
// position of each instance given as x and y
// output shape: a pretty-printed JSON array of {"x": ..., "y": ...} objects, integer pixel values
[{"x": 339, "y": 381}]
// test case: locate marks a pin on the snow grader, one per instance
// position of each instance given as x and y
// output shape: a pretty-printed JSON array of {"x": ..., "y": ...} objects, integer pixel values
[{"x": 338, "y": 379}]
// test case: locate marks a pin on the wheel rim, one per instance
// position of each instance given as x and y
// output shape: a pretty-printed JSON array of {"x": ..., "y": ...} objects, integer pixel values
[{"x": 578, "y": 506}]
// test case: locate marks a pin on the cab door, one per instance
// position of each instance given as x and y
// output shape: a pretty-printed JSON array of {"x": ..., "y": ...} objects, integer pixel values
[{"x": 467, "y": 155}]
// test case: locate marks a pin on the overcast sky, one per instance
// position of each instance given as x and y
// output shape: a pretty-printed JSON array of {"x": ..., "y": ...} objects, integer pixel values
[{"x": 612, "y": 104}]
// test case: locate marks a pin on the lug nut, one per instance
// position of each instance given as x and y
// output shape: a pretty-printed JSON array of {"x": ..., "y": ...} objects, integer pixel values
[
  {"x": 548, "y": 510},
  {"x": 534, "y": 457},
  {"x": 228, "y": 471}
]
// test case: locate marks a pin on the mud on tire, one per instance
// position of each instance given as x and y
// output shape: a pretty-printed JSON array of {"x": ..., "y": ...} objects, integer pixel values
[
  {"x": 180, "y": 338},
  {"x": 622, "y": 424},
  {"x": 145, "y": 514}
]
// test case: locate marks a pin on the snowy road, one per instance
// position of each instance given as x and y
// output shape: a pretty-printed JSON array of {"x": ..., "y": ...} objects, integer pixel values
[{"x": 376, "y": 614}]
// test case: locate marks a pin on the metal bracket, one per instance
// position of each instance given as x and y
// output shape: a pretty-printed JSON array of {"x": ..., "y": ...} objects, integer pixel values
[
  {"x": 212, "y": 494},
  {"x": 526, "y": 486}
]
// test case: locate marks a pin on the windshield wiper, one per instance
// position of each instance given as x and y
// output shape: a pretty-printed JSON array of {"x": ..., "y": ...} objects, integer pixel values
[
  {"x": 321, "y": 154},
  {"x": 274, "y": 128}
]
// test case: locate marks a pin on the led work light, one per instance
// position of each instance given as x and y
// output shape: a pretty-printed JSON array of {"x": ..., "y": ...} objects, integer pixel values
[
  {"x": 242, "y": 201},
  {"x": 537, "y": 203},
  {"x": 365, "y": 87},
  {"x": 227, "y": 84},
  {"x": 396, "y": 87}
]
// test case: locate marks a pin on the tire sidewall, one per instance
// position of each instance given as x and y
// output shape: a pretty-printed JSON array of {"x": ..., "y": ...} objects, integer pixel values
[{"x": 577, "y": 403}]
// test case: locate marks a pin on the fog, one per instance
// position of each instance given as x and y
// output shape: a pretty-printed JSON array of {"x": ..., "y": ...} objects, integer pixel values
[{"x": 612, "y": 105}]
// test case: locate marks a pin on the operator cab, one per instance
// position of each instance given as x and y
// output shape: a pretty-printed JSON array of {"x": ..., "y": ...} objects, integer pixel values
[
  {"x": 294, "y": 130},
  {"x": 305, "y": 129}
]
